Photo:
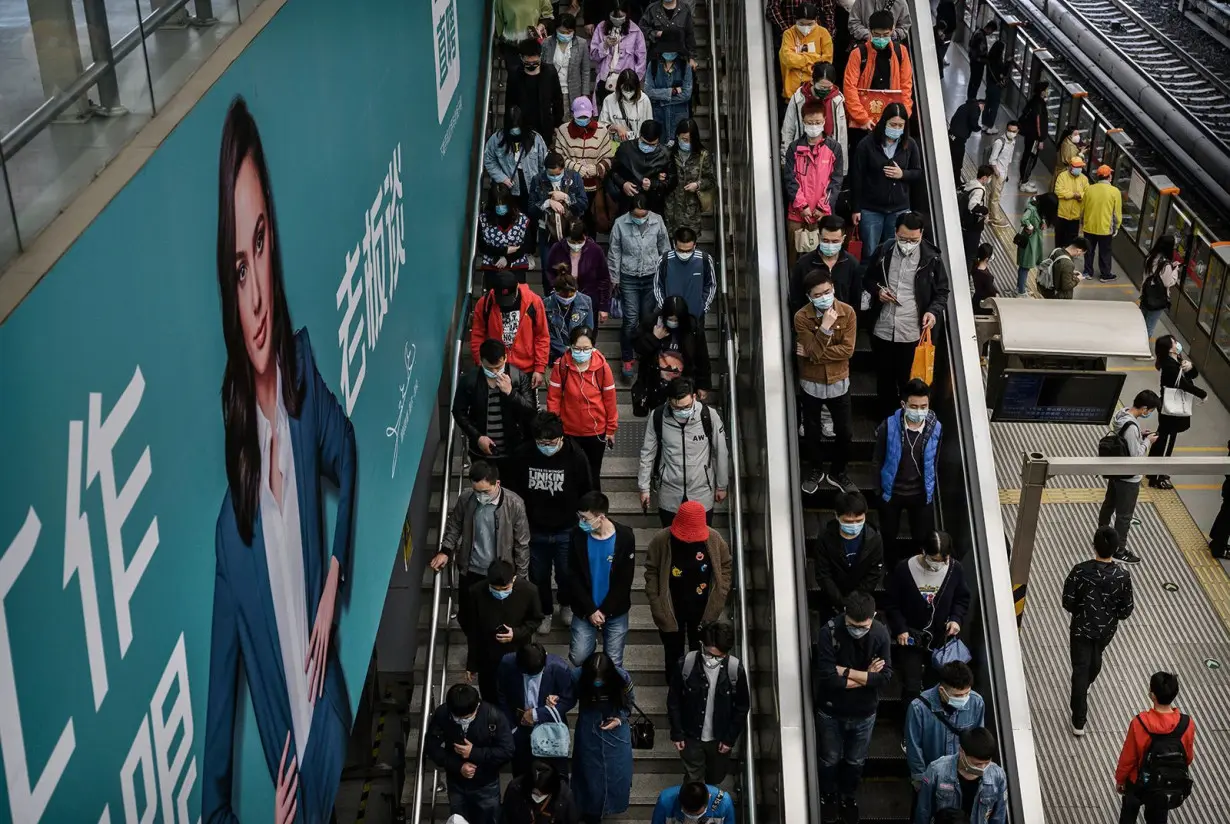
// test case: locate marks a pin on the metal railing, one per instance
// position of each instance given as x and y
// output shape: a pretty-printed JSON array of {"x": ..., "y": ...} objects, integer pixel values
[
  {"x": 732, "y": 423},
  {"x": 454, "y": 365}
]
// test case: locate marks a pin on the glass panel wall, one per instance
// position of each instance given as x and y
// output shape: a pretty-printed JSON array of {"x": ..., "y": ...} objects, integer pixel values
[
  {"x": 1131, "y": 184},
  {"x": 1212, "y": 293},
  {"x": 1221, "y": 332},
  {"x": 1148, "y": 218},
  {"x": 1053, "y": 96},
  {"x": 1197, "y": 266}
]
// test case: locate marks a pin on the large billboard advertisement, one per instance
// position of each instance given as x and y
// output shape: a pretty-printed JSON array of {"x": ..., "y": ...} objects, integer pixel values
[{"x": 211, "y": 412}]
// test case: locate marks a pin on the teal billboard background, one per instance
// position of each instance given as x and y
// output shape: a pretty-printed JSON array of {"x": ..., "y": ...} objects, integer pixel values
[{"x": 113, "y": 473}]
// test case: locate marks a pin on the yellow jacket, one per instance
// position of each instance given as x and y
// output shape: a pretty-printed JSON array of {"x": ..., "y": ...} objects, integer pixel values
[
  {"x": 1070, "y": 189},
  {"x": 796, "y": 65},
  {"x": 1103, "y": 209}
]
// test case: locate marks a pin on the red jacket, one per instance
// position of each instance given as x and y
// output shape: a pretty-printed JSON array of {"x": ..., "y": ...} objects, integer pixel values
[
  {"x": 532, "y": 344},
  {"x": 1137, "y": 742},
  {"x": 585, "y": 400}
]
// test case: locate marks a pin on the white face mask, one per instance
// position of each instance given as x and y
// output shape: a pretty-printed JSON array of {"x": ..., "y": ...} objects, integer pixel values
[
  {"x": 538, "y": 798},
  {"x": 805, "y": 28},
  {"x": 628, "y": 95},
  {"x": 813, "y": 131}
]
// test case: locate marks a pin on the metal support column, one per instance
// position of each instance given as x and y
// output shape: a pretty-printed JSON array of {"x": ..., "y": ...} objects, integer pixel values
[
  {"x": 1033, "y": 482},
  {"x": 108, "y": 84},
  {"x": 54, "y": 27}
]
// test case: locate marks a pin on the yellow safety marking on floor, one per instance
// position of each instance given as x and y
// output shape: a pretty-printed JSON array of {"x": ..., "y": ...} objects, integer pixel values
[
  {"x": 1197, "y": 486},
  {"x": 1192, "y": 542},
  {"x": 1200, "y": 449}
]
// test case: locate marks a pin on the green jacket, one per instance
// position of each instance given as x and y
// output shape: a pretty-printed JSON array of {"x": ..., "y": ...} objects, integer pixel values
[{"x": 1028, "y": 256}]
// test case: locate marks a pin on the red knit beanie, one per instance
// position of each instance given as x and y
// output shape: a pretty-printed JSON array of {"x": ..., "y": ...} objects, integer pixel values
[{"x": 689, "y": 525}]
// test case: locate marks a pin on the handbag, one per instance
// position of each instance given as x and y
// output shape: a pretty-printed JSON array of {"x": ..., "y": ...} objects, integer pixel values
[
  {"x": 1021, "y": 239},
  {"x": 1176, "y": 402},
  {"x": 924, "y": 359},
  {"x": 604, "y": 210},
  {"x": 954, "y": 649},
  {"x": 642, "y": 730},
  {"x": 806, "y": 239},
  {"x": 551, "y": 739}
]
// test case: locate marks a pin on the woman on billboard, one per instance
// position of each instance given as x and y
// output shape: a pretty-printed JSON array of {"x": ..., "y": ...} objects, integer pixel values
[{"x": 276, "y": 582}]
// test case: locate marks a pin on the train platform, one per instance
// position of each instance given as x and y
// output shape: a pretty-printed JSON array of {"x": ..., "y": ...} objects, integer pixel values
[{"x": 1182, "y": 617}]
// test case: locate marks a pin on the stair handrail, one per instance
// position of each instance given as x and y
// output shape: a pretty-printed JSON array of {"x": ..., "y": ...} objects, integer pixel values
[
  {"x": 437, "y": 590},
  {"x": 735, "y": 502}
]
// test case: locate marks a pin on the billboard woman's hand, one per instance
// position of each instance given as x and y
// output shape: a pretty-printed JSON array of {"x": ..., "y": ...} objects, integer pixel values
[
  {"x": 322, "y": 630},
  {"x": 286, "y": 801}
]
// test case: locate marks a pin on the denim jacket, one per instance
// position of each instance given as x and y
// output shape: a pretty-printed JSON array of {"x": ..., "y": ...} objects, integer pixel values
[
  {"x": 562, "y": 319},
  {"x": 927, "y": 737},
  {"x": 502, "y": 166},
  {"x": 941, "y": 788}
]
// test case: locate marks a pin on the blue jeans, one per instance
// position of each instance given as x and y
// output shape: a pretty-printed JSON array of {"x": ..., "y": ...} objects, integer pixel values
[
  {"x": 585, "y": 639},
  {"x": 1022, "y": 279},
  {"x": 875, "y": 228},
  {"x": 843, "y": 749},
  {"x": 637, "y": 296},
  {"x": 1152, "y": 316},
  {"x": 478, "y": 805},
  {"x": 546, "y": 549}
]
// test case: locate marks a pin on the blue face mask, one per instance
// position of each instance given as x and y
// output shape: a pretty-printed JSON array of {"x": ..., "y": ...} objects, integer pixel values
[
  {"x": 1076, "y": 171},
  {"x": 598, "y": 682},
  {"x": 669, "y": 57},
  {"x": 567, "y": 301},
  {"x": 585, "y": 525},
  {"x": 684, "y": 145},
  {"x": 556, "y": 178},
  {"x": 499, "y": 594},
  {"x": 851, "y": 530},
  {"x": 682, "y": 414},
  {"x": 957, "y": 702},
  {"x": 549, "y": 449},
  {"x": 515, "y": 131},
  {"x": 639, "y": 221},
  {"x": 823, "y": 302},
  {"x": 493, "y": 373},
  {"x": 501, "y": 209},
  {"x": 564, "y": 38},
  {"x": 581, "y": 121},
  {"x": 893, "y": 133},
  {"x": 582, "y": 355},
  {"x": 916, "y": 415},
  {"x": 881, "y": 42},
  {"x": 671, "y": 324},
  {"x": 830, "y": 249},
  {"x": 645, "y": 147}
]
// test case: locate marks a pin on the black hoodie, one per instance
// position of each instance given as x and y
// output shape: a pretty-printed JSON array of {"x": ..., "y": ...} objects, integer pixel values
[
  {"x": 837, "y": 577},
  {"x": 551, "y": 485},
  {"x": 1099, "y": 596}
]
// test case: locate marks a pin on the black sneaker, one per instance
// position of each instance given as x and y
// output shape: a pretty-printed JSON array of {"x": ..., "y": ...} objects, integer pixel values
[
  {"x": 828, "y": 809},
  {"x": 812, "y": 484},
  {"x": 1126, "y": 556},
  {"x": 842, "y": 482},
  {"x": 1108, "y": 278},
  {"x": 849, "y": 810}
]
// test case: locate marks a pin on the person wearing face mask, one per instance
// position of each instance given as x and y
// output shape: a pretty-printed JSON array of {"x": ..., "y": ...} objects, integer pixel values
[
  {"x": 487, "y": 524},
  {"x": 969, "y": 781},
  {"x": 707, "y": 704},
  {"x": 979, "y": 48},
  {"x": 586, "y": 263},
  {"x": 511, "y": 313},
  {"x": 551, "y": 475},
  {"x": 965, "y": 121},
  {"x": 540, "y": 796},
  {"x": 687, "y": 580},
  {"x": 972, "y": 201},
  {"x": 885, "y": 167},
  {"x": 515, "y": 154},
  {"x": 695, "y": 181},
  {"x": 567, "y": 52},
  {"x": 1098, "y": 595},
  {"x": 1070, "y": 187},
  {"x": 850, "y": 669},
  {"x": 618, "y": 44},
  {"x": 503, "y": 615},
  {"x": 668, "y": 82},
  {"x": 909, "y": 286},
  {"x": 905, "y": 462},
  {"x": 684, "y": 454},
  {"x": 824, "y": 86},
  {"x": 849, "y": 556},
  {"x": 1101, "y": 220},
  {"x": 602, "y": 745},
  {"x": 557, "y": 197},
  {"x": 493, "y": 405},
  {"x": 1178, "y": 374},
  {"x": 661, "y": 18},
  {"x": 687, "y": 272},
  {"x": 469, "y": 740},
  {"x": 535, "y": 688},
  {"x": 587, "y": 148},
  {"x": 670, "y": 331},
  {"x": 811, "y": 180},
  {"x": 624, "y": 112},
  {"x": 694, "y": 802},
  {"x": 1122, "y": 491},
  {"x": 642, "y": 166},
  {"x": 1000, "y": 160},
  {"x": 804, "y": 44},
  {"x": 602, "y": 564},
  {"x": 785, "y": 13},
  {"x": 1070, "y": 148},
  {"x": 825, "y": 332},
  {"x": 534, "y": 86},
  {"x": 935, "y": 720},
  {"x": 830, "y": 256},
  {"x": 1065, "y": 275},
  {"x": 926, "y": 605},
  {"x": 860, "y": 18},
  {"x": 878, "y": 72},
  {"x": 1035, "y": 127},
  {"x": 517, "y": 21},
  {"x": 637, "y": 242},
  {"x": 504, "y": 237},
  {"x": 582, "y": 392},
  {"x": 1039, "y": 213},
  {"x": 567, "y": 309},
  {"x": 1161, "y": 273}
]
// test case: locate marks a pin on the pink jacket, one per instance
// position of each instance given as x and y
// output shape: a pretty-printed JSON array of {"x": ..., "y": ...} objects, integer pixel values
[
  {"x": 813, "y": 177},
  {"x": 631, "y": 54}
]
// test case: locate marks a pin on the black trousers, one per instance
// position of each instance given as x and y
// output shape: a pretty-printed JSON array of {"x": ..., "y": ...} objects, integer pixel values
[
  {"x": 956, "y": 146},
  {"x": 815, "y": 449},
  {"x": 1066, "y": 231},
  {"x": 976, "y": 70},
  {"x": 1129, "y": 811},
  {"x": 910, "y": 662},
  {"x": 468, "y": 579},
  {"x": 894, "y": 360},
  {"x": 1119, "y": 503},
  {"x": 594, "y": 447},
  {"x": 686, "y": 638},
  {"x": 1163, "y": 447},
  {"x": 1086, "y": 665},
  {"x": 922, "y": 524},
  {"x": 1219, "y": 535},
  {"x": 1029, "y": 159}
]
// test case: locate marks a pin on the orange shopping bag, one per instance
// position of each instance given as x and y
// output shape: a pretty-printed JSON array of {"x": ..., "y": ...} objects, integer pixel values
[{"x": 924, "y": 359}]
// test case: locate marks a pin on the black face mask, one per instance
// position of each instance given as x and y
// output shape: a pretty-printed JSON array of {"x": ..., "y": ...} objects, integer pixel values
[{"x": 531, "y": 68}]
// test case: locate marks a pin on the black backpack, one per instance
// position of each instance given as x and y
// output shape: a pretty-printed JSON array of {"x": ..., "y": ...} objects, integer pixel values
[
  {"x": 1153, "y": 293},
  {"x": 1163, "y": 777},
  {"x": 1114, "y": 445},
  {"x": 971, "y": 220},
  {"x": 706, "y": 423}
]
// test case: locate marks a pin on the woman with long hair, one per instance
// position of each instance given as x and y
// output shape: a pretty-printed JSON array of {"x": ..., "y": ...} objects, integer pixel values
[
  {"x": 624, "y": 112},
  {"x": 582, "y": 392},
  {"x": 1070, "y": 147},
  {"x": 602, "y": 749},
  {"x": 1178, "y": 374},
  {"x": 275, "y": 572},
  {"x": 514, "y": 155},
  {"x": 1040, "y": 213},
  {"x": 1161, "y": 272},
  {"x": 982, "y": 279},
  {"x": 695, "y": 181},
  {"x": 670, "y": 344},
  {"x": 884, "y": 168},
  {"x": 617, "y": 44},
  {"x": 503, "y": 235}
]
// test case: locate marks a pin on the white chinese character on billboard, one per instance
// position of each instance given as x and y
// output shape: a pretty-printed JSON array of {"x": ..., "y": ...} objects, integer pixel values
[{"x": 448, "y": 64}]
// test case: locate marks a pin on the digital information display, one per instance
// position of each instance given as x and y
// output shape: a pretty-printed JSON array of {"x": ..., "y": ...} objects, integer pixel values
[{"x": 1057, "y": 396}]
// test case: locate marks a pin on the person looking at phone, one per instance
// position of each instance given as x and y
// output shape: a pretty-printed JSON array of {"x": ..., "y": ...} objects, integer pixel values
[
  {"x": 1123, "y": 490},
  {"x": 504, "y": 613},
  {"x": 494, "y": 404},
  {"x": 602, "y": 742},
  {"x": 470, "y": 740},
  {"x": 535, "y": 688}
]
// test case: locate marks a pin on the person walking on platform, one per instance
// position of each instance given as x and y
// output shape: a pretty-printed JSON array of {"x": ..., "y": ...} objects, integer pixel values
[
  {"x": 973, "y": 203},
  {"x": 1161, "y": 272},
  {"x": 849, "y": 555},
  {"x": 1098, "y": 594},
  {"x": 851, "y": 667},
  {"x": 999, "y": 73},
  {"x": 708, "y": 703},
  {"x": 878, "y": 72},
  {"x": 1123, "y": 490},
  {"x": 935, "y": 720},
  {"x": 803, "y": 46},
  {"x": 1070, "y": 187},
  {"x": 671, "y": 460},
  {"x": 1000, "y": 160},
  {"x": 1101, "y": 219},
  {"x": 965, "y": 121},
  {"x": 979, "y": 47},
  {"x": 1153, "y": 773},
  {"x": 1035, "y": 126},
  {"x": 1179, "y": 375},
  {"x": 969, "y": 780},
  {"x": 905, "y": 462}
]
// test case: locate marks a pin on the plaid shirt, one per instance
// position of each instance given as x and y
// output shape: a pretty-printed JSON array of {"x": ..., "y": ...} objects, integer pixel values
[{"x": 783, "y": 13}]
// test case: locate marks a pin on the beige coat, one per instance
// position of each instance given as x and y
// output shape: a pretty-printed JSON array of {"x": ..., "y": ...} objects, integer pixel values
[{"x": 658, "y": 579}]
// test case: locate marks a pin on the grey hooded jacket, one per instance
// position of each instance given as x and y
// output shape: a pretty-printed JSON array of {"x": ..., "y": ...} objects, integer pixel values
[{"x": 692, "y": 468}]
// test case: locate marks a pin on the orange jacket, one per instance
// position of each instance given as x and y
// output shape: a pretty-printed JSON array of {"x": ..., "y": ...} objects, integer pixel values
[
  {"x": 585, "y": 400},
  {"x": 1137, "y": 742},
  {"x": 532, "y": 344},
  {"x": 859, "y": 71}
]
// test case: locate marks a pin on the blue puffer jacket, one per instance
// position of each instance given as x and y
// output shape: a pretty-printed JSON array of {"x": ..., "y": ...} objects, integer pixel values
[
  {"x": 890, "y": 441},
  {"x": 941, "y": 788},
  {"x": 927, "y": 737}
]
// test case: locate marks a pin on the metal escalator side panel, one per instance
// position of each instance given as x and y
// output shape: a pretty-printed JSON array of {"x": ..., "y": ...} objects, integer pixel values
[{"x": 1003, "y": 649}]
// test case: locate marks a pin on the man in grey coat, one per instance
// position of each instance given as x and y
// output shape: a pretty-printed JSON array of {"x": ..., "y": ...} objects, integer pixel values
[
  {"x": 684, "y": 454},
  {"x": 1123, "y": 490},
  {"x": 860, "y": 18},
  {"x": 487, "y": 523}
]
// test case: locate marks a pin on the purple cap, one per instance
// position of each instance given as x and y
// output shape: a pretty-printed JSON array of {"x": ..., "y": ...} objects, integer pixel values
[{"x": 582, "y": 107}]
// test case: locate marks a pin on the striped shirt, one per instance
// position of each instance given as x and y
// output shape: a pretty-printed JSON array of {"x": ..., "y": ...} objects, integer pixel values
[{"x": 495, "y": 418}]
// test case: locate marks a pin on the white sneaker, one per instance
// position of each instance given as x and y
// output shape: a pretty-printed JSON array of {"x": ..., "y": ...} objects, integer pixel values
[
  {"x": 991, "y": 130},
  {"x": 565, "y": 616},
  {"x": 1079, "y": 732},
  {"x": 1029, "y": 186},
  {"x": 544, "y": 626}
]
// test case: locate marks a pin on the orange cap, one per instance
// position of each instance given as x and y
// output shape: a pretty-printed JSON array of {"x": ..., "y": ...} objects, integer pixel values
[
  {"x": 1105, "y": 171},
  {"x": 1076, "y": 161}
]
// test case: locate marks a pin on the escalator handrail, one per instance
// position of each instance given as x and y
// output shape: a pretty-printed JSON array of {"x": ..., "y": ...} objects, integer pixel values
[
  {"x": 438, "y": 591},
  {"x": 732, "y": 423}
]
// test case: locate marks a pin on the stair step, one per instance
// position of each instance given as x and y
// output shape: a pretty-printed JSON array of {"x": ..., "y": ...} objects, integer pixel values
[{"x": 642, "y": 661}]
